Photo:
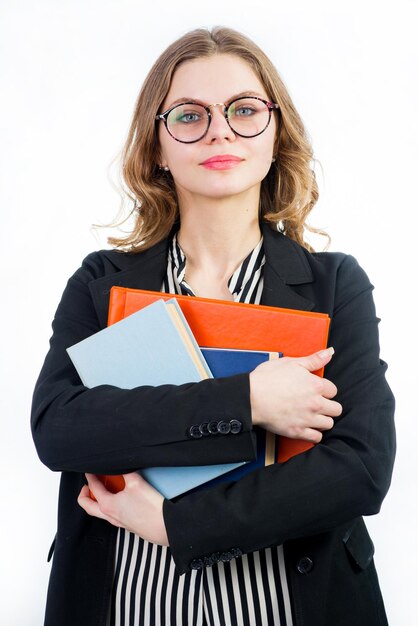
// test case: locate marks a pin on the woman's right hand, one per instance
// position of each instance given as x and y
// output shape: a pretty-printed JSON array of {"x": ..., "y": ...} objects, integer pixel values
[{"x": 289, "y": 400}]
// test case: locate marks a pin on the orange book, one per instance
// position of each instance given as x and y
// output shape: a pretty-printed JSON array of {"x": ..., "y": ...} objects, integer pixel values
[{"x": 225, "y": 324}]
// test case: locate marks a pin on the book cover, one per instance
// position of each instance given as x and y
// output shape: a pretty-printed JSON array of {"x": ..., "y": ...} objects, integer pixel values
[
  {"x": 227, "y": 324},
  {"x": 152, "y": 347}
]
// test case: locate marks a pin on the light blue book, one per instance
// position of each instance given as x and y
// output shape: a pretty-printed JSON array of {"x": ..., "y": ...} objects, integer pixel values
[{"x": 153, "y": 346}]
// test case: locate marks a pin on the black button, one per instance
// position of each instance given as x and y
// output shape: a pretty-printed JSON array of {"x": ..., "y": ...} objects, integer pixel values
[
  {"x": 213, "y": 427},
  {"x": 194, "y": 432},
  {"x": 236, "y": 426},
  {"x": 204, "y": 429},
  {"x": 210, "y": 560},
  {"x": 196, "y": 564},
  {"x": 235, "y": 552},
  {"x": 224, "y": 427},
  {"x": 215, "y": 556},
  {"x": 304, "y": 565}
]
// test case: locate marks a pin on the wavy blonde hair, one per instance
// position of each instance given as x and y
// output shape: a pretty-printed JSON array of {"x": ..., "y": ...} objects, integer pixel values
[{"x": 289, "y": 191}]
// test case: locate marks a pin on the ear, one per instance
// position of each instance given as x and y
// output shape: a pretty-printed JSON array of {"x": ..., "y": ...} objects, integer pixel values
[{"x": 160, "y": 159}]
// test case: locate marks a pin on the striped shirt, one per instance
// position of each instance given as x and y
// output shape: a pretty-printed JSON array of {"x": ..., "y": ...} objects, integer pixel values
[
  {"x": 245, "y": 284},
  {"x": 251, "y": 590}
]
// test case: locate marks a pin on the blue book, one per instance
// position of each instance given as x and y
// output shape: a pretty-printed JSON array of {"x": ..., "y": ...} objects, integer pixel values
[
  {"x": 223, "y": 362},
  {"x": 153, "y": 346}
]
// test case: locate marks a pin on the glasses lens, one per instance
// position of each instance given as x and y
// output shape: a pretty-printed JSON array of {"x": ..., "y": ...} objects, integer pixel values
[
  {"x": 248, "y": 116},
  {"x": 187, "y": 122}
]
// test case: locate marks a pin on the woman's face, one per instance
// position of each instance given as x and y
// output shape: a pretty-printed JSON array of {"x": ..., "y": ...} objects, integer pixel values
[{"x": 217, "y": 79}]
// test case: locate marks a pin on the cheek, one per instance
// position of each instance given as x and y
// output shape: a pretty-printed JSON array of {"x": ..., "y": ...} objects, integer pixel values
[
  {"x": 270, "y": 138},
  {"x": 185, "y": 173},
  {"x": 265, "y": 152},
  {"x": 181, "y": 159},
  {"x": 264, "y": 166},
  {"x": 173, "y": 153}
]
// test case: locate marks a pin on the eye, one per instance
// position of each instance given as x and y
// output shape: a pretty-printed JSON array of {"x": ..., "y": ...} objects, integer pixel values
[
  {"x": 187, "y": 118},
  {"x": 244, "y": 108},
  {"x": 187, "y": 115},
  {"x": 244, "y": 111}
]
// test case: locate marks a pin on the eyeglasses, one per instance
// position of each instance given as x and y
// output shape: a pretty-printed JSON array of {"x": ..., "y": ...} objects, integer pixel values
[{"x": 189, "y": 122}]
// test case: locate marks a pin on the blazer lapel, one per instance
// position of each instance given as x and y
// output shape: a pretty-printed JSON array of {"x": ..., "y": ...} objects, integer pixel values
[
  {"x": 144, "y": 270},
  {"x": 286, "y": 266}
]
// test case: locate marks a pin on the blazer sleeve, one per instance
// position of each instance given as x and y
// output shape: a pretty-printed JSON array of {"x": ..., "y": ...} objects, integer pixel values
[
  {"x": 345, "y": 476},
  {"x": 107, "y": 430}
]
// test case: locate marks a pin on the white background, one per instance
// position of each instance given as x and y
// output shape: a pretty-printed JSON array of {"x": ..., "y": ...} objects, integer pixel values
[{"x": 70, "y": 75}]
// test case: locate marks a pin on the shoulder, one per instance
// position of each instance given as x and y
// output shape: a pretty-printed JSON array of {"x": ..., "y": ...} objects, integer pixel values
[
  {"x": 344, "y": 266},
  {"x": 102, "y": 262},
  {"x": 330, "y": 280},
  {"x": 338, "y": 280},
  {"x": 343, "y": 269},
  {"x": 296, "y": 265}
]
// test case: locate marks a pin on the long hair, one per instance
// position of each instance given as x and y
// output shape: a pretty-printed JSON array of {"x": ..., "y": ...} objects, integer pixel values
[{"x": 288, "y": 192}]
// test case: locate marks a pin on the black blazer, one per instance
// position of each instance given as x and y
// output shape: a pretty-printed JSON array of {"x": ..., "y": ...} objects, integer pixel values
[{"x": 313, "y": 503}]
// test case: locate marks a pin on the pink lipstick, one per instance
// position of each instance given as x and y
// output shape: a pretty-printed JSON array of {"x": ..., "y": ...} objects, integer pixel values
[{"x": 222, "y": 162}]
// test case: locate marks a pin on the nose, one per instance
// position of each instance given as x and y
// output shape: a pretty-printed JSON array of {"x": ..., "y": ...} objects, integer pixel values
[{"x": 219, "y": 129}]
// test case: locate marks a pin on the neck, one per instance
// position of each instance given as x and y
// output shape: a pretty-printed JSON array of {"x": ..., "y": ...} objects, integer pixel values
[{"x": 218, "y": 233}]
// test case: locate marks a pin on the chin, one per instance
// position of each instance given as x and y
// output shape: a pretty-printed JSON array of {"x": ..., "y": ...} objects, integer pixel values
[{"x": 218, "y": 188}]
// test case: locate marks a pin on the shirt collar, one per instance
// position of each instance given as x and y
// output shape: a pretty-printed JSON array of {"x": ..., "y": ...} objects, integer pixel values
[{"x": 252, "y": 263}]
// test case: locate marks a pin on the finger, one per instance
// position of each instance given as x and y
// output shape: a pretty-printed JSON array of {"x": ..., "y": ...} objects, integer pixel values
[
  {"x": 312, "y": 435},
  {"x": 328, "y": 389},
  {"x": 142, "y": 487},
  {"x": 95, "y": 507},
  {"x": 323, "y": 422},
  {"x": 85, "y": 491},
  {"x": 90, "y": 506},
  {"x": 133, "y": 479},
  {"x": 96, "y": 486},
  {"x": 317, "y": 360},
  {"x": 136, "y": 481},
  {"x": 330, "y": 408}
]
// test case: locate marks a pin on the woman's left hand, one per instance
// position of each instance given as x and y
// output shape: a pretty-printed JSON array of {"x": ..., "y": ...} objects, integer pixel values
[{"x": 138, "y": 508}]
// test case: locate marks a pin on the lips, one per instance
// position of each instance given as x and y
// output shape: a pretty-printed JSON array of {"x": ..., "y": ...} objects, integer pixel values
[
  {"x": 222, "y": 162},
  {"x": 221, "y": 158}
]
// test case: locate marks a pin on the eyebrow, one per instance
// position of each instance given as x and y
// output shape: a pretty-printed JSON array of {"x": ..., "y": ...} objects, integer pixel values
[{"x": 242, "y": 94}]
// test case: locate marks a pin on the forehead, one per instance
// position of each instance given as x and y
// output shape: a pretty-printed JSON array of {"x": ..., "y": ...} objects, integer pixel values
[{"x": 213, "y": 79}]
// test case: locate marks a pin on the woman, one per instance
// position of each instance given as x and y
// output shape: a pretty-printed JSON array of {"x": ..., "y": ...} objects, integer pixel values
[{"x": 218, "y": 165}]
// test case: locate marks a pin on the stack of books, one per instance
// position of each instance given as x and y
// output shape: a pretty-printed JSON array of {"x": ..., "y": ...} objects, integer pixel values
[{"x": 154, "y": 338}]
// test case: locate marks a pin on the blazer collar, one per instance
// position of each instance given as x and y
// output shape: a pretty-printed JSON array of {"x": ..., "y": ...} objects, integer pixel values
[
  {"x": 143, "y": 270},
  {"x": 286, "y": 265}
]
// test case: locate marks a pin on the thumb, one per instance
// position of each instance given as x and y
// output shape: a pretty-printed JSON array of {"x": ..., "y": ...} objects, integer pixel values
[
  {"x": 133, "y": 479},
  {"x": 136, "y": 481},
  {"x": 315, "y": 361}
]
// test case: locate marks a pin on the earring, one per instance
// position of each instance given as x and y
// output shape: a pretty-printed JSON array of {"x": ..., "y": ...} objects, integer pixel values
[
  {"x": 273, "y": 159},
  {"x": 165, "y": 168}
]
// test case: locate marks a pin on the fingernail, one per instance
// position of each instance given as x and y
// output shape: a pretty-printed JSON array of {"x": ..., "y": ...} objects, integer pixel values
[{"x": 324, "y": 354}]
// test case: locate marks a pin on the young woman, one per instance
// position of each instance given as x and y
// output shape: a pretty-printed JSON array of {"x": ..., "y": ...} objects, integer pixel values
[{"x": 219, "y": 167}]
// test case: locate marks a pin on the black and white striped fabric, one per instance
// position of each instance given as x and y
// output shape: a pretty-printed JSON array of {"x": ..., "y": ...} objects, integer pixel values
[
  {"x": 245, "y": 284},
  {"x": 248, "y": 591}
]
